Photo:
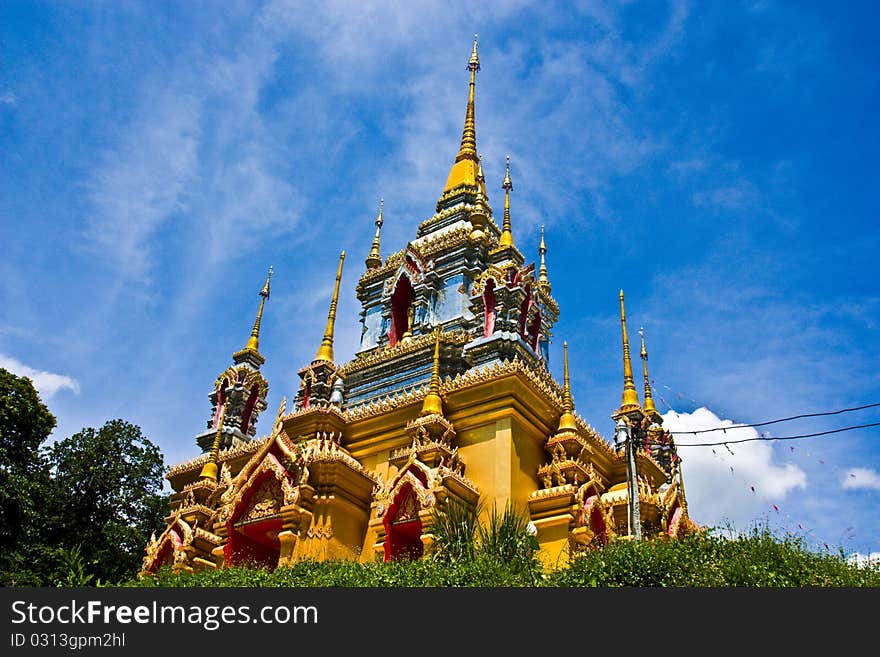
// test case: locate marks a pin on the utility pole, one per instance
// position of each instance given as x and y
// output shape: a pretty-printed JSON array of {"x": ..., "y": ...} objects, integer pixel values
[{"x": 625, "y": 435}]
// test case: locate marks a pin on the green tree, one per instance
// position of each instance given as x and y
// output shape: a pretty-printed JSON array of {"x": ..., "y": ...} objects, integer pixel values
[
  {"x": 107, "y": 487},
  {"x": 25, "y": 422}
]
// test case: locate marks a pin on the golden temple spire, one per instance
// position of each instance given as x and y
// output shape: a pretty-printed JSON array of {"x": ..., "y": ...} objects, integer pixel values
[
  {"x": 649, "y": 407},
  {"x": 566, "y": 420},
  {"x": 468, "y": 148},
  {"x": 374, "y": 260},
  {"x": 253, "y": 342},
  {"x": 209, "y": 470},
  {"x": 506, "y": 239},
  {"x": 543, "y": 281},
  {"x": 630, "y": 396},
  {"x": 325, "y": 351},
  {"x": 464, "y": 171},
  {"x": 433, "y": 404}
]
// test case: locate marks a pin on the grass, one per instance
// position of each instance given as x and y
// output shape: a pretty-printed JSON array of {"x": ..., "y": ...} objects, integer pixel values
[{"x": 502, "y": 557}]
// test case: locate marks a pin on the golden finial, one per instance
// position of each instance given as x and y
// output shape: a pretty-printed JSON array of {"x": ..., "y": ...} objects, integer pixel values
[
  {"x": 468, "y": 148},
  {"x": 374, "y": 260},
  {"x": 630, "y": 396},
  {"x": 543, "y": 281},
  {"x": 253, "y": 342},
  {"x": 649, "y": 407},
  {"x": 325, "y": 351},
  {"x": 566, "y": 420},
  {"x": 466, "y": 173},
  {"x": 433, "y": 405},
  {"x": 506, "y": 239},
  {"x": 474, "y": 63}
]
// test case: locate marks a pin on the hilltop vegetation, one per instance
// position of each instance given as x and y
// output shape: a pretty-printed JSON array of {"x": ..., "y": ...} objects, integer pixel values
[{"x": 755, "y": 559}]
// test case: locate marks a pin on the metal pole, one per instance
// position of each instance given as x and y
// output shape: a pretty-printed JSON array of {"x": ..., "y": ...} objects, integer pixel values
[{"x": 632, "y": 477}]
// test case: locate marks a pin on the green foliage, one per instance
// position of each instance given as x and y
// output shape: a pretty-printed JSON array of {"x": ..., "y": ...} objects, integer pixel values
[
  {"x": 79, "y": 511},
  {"x": 25, "y": 422},
  {"x": 106, "y": 488},
  {"x": 454, "y": 530},
  {"x": 755, "y": 559},
  {"x": 503, "y": 540},
  {"x": 478, "y": 572},
  {"x": 74, "y": 568},
  {"x": 506, "y": 537}
]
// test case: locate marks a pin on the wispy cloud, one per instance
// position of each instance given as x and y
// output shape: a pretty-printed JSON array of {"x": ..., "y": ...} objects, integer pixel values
[
  {"x": 861, "y": 478},
  {"x": 196, "y": 160},
  {"x": 47, "y": 383},
  {"x": 144, "y": 179},
  {"x": 739, "y": 195}
]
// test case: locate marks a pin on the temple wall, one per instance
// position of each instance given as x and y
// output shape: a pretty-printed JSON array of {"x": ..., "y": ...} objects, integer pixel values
[
  {"x": 373, "y": 327},
  {"x": 502, "y": 458},
  {"x": 452, "y": 304}
]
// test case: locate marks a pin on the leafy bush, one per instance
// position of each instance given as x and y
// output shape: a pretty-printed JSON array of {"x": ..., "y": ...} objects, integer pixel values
[
  {"x": 707, "y": 559},
  {"x": 479, "y": 571},
  {"x": 754, "y": 559},
  {"x": 454, "y": 530},
  {"x": 506, "y": 537}
]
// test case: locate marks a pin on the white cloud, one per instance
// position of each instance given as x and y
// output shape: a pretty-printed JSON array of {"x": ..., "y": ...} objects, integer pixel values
[
  {"x": 864, "y": 561},
  {"x": 736, "y": 483},
  {"x": 47, "y": 383},
  {"x": 861, "y": 478}
]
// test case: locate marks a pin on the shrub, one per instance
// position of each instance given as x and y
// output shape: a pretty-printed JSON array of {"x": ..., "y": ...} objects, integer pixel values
[
  {"x": 504, "y": 555},
  {"x": 454, "y": 530}
]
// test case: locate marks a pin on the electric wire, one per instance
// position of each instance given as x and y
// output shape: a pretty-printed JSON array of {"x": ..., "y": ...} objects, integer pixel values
[
  {"x": 784, "y": 419},
  {"x": 769, "y": 438}
]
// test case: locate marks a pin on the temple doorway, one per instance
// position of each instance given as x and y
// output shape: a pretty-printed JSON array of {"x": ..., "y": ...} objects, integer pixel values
[
  {"x": 254, "y": 526},
  {"x": 403, "y": 529},
  {"x": 165, "y": 555}
]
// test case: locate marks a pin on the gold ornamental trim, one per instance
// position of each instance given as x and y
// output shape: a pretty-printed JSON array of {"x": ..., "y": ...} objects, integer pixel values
[
  {"x": 387, "y": 404},
  {"x": 441, "y": 242},
  {"x": 423, "y": 247},
  {"x": 326, "y": 447},
  {"x": 224, "y": 455},
  {"x": 380, "y": 356},
  {"x": 392, "y": 262}
]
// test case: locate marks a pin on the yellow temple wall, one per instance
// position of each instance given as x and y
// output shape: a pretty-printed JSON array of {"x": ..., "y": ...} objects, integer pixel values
[{"x": 502, "y": 458}]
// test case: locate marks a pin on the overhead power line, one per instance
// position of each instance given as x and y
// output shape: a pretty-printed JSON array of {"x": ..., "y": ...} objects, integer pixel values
[
  {"x": 784, "y": 419},
  {"x": 769, "y": 438}
]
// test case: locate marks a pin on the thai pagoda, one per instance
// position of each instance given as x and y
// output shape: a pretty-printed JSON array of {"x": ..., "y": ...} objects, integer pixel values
[{"x": 448, "y": 399}]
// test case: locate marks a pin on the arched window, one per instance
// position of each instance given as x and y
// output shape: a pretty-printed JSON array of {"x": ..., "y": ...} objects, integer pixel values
[
  {"x": 253, "y": 527},
  {"x": 534, "y": 329},
  {"x": 593, "y": 517},
  {"x": 401, "y": 300},
  {"x": 221, "y": 401},
  {"x": 307, "y": 394},
  {"x": 165, "y": 555},
  {"x": 249, "y": 408},
  {"x": 489, "y": 307},
  {"x": 524, "y": 312}
]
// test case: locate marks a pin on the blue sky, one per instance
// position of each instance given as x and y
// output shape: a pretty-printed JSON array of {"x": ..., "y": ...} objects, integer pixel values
[{"x": 717, "y": 161}]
